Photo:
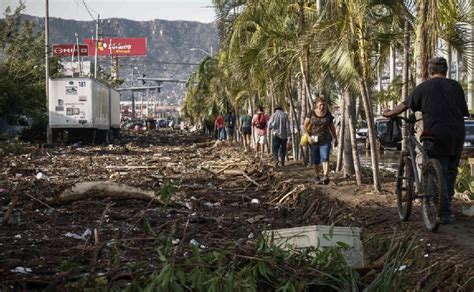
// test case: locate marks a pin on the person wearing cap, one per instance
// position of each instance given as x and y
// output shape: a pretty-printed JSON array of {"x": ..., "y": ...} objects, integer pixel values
[
  {"x": 280, "y": 129},
  {"x": 443, "y": 106}
]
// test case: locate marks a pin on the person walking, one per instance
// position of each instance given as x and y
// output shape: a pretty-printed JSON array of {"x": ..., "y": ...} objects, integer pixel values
[
  {"x": 246, "y": 130},
  {"x": 259, "y": 122},
  {"x": 230, "y": 127},
  {"x": 319, "y": 125},
  {"x": 219, "y": 126},
  {"x": 443, "y": 105},
  {"x": 279, "y": 127}
]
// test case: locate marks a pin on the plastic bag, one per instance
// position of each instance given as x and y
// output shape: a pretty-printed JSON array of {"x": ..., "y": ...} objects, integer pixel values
[{"x": 304, "y": 140}]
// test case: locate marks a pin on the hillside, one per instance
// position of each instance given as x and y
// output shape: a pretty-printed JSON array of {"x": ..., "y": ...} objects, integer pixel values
[{"x": 167, "y": 41}]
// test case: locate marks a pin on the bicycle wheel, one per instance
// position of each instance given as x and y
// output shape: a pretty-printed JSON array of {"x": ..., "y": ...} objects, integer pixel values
[
  {"x": 405, "y": 187},
  {"x": 433, "y": 190}
]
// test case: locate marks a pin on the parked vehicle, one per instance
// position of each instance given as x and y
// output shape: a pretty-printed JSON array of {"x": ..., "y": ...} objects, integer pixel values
[
  {"x": 469, "y": 140},
  {"x": 362, "y": 131},
  {"x": 83, "y": 107}
]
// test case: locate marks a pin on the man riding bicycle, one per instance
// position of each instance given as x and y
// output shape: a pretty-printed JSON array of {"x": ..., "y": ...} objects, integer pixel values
[{"x": 443, "y": 105}]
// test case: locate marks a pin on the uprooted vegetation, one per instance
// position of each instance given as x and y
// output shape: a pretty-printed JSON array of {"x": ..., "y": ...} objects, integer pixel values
[{"x": 202, "y": 230}]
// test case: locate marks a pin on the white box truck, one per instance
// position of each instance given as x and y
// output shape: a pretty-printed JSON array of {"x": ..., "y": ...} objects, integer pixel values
[{"x": 83, "y": 108}]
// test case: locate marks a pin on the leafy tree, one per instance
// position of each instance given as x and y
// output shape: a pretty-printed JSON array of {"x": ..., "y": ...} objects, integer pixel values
[{"x": 22, "y": 73}]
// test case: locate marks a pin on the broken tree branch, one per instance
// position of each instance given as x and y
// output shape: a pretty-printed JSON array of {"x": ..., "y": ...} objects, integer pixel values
[
  {"x": 101, "y": 189},
  {"x": 9, "y": 212},
  {"x": 250, "y": 179}
]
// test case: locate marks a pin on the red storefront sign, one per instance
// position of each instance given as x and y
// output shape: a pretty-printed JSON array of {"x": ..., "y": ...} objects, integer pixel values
[
  {"x": 66, "y": 50},
  {"x": 118, "y": 46}
]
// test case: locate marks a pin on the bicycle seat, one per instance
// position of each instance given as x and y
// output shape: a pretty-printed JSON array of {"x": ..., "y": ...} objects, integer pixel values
[{"x": 426, "y": 135}]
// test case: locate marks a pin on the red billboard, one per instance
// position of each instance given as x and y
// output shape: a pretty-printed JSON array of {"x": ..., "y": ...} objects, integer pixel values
[
  {"x": 66, "y": 50},
  {"x": 118, "y": 46}
]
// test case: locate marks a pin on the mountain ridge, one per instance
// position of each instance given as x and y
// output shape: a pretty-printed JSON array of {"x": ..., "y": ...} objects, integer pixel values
[{"x": 168, "y": 41}]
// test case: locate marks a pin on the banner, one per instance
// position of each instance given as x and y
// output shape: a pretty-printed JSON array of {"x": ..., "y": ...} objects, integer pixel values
[
  {"x": 118, "y": 46},
  {"x": 66, "y": 50}
]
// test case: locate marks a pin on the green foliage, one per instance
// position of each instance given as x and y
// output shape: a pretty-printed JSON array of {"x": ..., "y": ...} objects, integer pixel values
[
  {"x": 37, "y": 130},
  {"x": 464, "y": 181},
  {"x": 12, "y": 147},
  {"x": 166, "y": 192},
  {"x": 22, "y": 73}
]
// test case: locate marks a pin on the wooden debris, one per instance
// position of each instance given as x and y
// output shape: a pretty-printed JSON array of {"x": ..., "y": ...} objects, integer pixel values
[
  {"x": 9, "y": 212},
  {"x": 102, "y": 189}
]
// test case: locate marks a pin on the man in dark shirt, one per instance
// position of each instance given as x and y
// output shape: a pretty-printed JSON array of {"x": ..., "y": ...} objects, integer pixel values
[{"x": 444, "y": 107}]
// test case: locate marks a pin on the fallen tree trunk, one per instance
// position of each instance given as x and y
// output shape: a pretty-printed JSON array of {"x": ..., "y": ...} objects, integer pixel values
[{"x": 103, "y": 189}]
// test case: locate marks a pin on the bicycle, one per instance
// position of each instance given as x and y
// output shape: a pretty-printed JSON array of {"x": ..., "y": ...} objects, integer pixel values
[{"x": 410, "y": 186}]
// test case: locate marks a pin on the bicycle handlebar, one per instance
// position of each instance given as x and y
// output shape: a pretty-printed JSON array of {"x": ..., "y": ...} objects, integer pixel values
[{"x": 410, "y": 120}]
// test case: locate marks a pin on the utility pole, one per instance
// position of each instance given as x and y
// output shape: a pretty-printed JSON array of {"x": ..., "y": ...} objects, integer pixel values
[
  {"x": 49, "y": 135},
  {"x": 96, "y": 46}
]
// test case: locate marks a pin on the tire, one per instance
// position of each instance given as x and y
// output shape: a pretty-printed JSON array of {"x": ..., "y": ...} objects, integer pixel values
[
  {"x": 405, "y": 187},
  {"x": 433, "y": 191}
]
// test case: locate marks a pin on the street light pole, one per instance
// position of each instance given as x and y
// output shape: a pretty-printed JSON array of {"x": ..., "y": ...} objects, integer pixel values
[
  {"x": 49, "y": 135},
  {"x": 96, "y": 46}
]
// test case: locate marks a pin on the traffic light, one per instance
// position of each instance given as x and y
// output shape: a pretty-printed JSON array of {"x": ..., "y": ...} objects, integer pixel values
[{"x": 143, "y": 80}]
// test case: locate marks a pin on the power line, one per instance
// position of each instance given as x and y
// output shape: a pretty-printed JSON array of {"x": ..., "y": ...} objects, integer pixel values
[{"x": 89, "y": 10}]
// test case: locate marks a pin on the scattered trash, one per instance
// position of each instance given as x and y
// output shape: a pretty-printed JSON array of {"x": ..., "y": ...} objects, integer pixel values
[
  {"x": 212, "y": 205},
  {"x": 255, "y": 201},
  {"x": 18, "y": 236},
  {"x": 251, "y": 236},
  {"x": 40, "y": 176},
  {"x": 426, "y": 255},
  {"x": 18, "y": 175},
  {"x": 255, "y": 219},
  {"x": 194, "y": 242},
  {"x": 402, "y": 267},
  {"x": 84, "y": 236},
  {"x": 175, "y": 241},
  {"x": 21, "y": 270},
  {"x": 189, "y": 205}
]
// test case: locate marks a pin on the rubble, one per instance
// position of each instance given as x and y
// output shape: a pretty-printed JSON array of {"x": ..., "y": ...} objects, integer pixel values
[{"x": 156, "y": 187}]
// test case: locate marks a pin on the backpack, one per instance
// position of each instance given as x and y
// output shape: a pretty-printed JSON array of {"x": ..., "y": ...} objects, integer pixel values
[
  {"x": 393, "y": 133},
  {"x": 261, "y": 121},
  {"x": 230, "y": 121}
]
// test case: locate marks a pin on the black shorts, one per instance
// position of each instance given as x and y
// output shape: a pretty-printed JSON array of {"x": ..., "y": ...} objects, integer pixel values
[{"x": 246, "y": 130}]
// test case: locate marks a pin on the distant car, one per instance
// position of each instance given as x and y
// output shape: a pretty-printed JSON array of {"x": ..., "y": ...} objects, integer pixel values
[
  {"x": 381, "y": 125},
  {"x": 469, "y": 140},
  {"x": 362, "y": 131},
  {"x": 136, "y": 126},
  {"x": 162, "y": 123}
]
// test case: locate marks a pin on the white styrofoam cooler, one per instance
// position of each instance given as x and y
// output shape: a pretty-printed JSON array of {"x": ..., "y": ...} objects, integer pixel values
[
  {"x": 468, "y": 210},
  {"x": 318, "y": 236}
]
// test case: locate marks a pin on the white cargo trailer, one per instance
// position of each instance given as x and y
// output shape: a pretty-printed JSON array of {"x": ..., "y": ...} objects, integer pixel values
[{"x": 83, "y": 107}]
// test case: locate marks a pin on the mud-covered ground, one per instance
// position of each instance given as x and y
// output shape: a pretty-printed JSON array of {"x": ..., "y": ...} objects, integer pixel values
[{"x": 211, "y": 196}]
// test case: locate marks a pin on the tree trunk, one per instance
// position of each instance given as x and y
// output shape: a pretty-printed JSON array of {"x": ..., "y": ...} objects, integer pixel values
[
  {"x": 405, "y": 72},
  {"x": 422, "y": 46},
  {"x": 295, "y": 121},
  {"x": 371, "y": 134},
  {"x": 340, "y": 138},
  {"x": 347, "y": 146},
  {"x": 351, "y": 121},
  {"x": 393, "y": 59}
]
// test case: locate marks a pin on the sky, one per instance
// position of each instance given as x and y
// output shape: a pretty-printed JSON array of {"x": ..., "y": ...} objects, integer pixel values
[{"x": 192, "y": 10}]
